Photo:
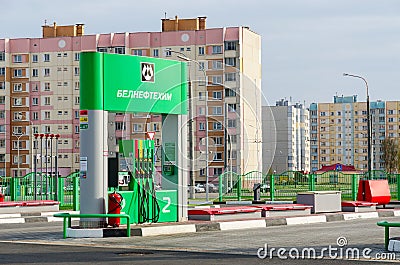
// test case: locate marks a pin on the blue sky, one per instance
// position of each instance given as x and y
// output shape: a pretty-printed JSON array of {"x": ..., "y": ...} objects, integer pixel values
[{"x": 306, "y": 44}]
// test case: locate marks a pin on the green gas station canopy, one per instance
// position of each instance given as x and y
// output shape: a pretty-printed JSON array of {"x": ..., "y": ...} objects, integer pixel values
[{"x": 125, "y": 83}]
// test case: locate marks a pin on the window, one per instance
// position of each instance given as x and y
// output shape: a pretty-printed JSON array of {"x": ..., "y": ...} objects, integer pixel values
[
  {"x": 217, "y": 171},
  {"x": 391, "y": 120},
  {"x": 217, "y": 157},
  {"x": 168, "y": 52},
  {"x": 76, "y": 100},
  {"x": 17, "y": 87},
  {"x": 76, "y": 71},
  {"x": 217, "y": 110},
  {"x": 120, "y": 126},
  {"x": 230, "y": 61},
  {"x": 216, "y": 49},
  {"x": 2, "y": 128},
  {"x": 156, "y": 127},
  {"x": 17, "y": 145},
  {"x": 76, "y": 85},
  {"x": 2, "y": 71},
  {"x": 137, "y": 52},
  {"x": 3, "y": 100},
  {"x": 390, "y": 112},
  {"x": 34, "y": 58},
  {"x": 201, "y": 50},
  {"x": 230, "y": 93},
  {"x": 217, "y": 126},
  {"x": 17, "y": 72},
  {"x": 17, "y": 101},
  {"x": 46, "y": 57},
  {"x": 232, "y": 107},
  {"x": 58, "y": 54},
  {"x": 202, "y": 126},
  {"x": 17, "y": 129},
  {"x": 2, "y": 114},
  {"x": 2, "y": 143},
  {"x": 119, "y": 50},
  {"x": 76, "y": 129},
  {"x": 137, "y": 127},
  {"x": 102, "y": 49},
  {"x": 231, "y": 123},
  {"x": 35, "y": 101},
  {"x": 217, "y": 140},
  {"x": 216, "y": 79},
  {"x": 35, "y": 116},
  {"x": 17, "y": 116},
  {"x": 201, "y": 66},
  {"x": 47, "y": 101},
  {"x": 59, "y": 113},
  {"x": 217, "y": 95},
  {"x": 77, "y": 56},
  {"x": 202, "y": 95},
  {"x": 65, "y": 83},
  {"x": 35, "y": 72},
  {"x": 65, "y": 141},
  {"x": 155, "y": 53},
  {"x": 230, "y": 45},
  {"x": 77, "y": 114},
  {"x": 47, "y": 115},
  {"x": 202, "y": 110},
  {"x": 17, "y": 58},
  {"x": 230, "y": 77},
  {"x": 2, "y": 56},
  {"x": 217, "y": 65},
  {"x": 46, "y": 71}
]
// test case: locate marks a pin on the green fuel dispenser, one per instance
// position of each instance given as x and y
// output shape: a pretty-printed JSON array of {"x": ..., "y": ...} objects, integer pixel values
[{"x": 144, "y": 207}]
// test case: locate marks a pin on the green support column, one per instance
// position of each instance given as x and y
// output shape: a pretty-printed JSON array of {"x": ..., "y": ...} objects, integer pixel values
[
  {"x": 311, "y": 182},
  {"x": 272, "y": 187},
  {"x": 398, "y": 186},
  {"x": 13, "y": 191},
  {"x": 354, "y": 187},
  {"x": 60, "y": 192},
  {"x": 220, "y": 188},
  {"x": 239, "y": 188},
  {"x": 75, "y": 195}
]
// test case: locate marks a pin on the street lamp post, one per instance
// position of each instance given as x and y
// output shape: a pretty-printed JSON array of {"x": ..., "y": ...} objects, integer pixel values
[
  {"x": 368, "y": 123},
  {"x": 183, "y": 57}
]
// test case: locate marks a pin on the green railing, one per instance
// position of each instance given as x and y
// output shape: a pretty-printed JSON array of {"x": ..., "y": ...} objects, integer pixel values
[
  {"x": 286, "y": 185},
  {"x": 40, "y": 186}
]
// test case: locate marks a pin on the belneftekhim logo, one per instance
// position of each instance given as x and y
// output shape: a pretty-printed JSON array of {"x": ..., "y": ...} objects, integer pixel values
[{"x": 147, "y": 72}]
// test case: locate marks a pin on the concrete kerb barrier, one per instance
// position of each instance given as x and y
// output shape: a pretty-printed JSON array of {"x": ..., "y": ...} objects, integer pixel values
[{"x": 203, "y": 226}]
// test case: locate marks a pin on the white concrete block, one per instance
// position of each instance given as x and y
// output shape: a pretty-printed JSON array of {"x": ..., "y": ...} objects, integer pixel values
[
  {"x": 396, "y": 213},
  {"x": 168, "y": 230},
  {"x": 394, "y": 245},
  {"x": 352, "y": 216},
  {"x": 10, "y": 215},
  {"x": 79, "y": 233},
  {"x": 306, "y": 220},
  {"x": 12, "y": 221},
  {"x": 242, "y": 224}
]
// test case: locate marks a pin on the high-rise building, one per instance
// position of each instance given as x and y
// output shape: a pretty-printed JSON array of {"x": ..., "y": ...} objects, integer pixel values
[
  {"x": 339, "y": 132},
  {"x": 286, "y": 137},
  {"x": 39, "y": 93}
]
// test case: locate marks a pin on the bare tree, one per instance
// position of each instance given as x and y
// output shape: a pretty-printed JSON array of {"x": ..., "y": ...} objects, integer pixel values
[{"x": 391, "y": 153}]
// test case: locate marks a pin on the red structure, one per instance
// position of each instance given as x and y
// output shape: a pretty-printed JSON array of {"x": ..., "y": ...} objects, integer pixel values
[
  {"x": 114, "y": 206},
  {"x": 338, "y": 167},
  {"x": 374, "y": 191}
]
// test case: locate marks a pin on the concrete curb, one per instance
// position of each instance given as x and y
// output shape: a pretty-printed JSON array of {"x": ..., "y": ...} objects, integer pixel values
[
  {"x": 193, "y": 227},
  {"x": 33, "y": 217}
]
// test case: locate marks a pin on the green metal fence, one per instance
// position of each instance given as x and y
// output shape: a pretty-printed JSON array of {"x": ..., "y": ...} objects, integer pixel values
[
  {"x": 40, "y": 186},
  {"x": 286, "y": 185}
]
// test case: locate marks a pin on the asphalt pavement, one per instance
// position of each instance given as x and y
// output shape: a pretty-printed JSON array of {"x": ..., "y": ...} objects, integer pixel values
[{"x": 42, "y": 243}]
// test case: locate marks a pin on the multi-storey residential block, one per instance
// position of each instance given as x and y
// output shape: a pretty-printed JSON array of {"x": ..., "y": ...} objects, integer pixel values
[
  {"x": 286, "y": 137},
  {"x": 339, "y": 131},
  {"x": 39, "y": 93}
]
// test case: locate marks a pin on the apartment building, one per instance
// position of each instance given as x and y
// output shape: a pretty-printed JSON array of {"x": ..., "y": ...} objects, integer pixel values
[
  {"x": 286, "y": 137},
  {"x": 339, "y": 131},
  {"x": 39, "y": 93}
]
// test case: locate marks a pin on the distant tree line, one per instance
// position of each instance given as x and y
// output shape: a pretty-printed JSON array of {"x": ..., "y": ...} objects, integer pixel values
[{"x": 391, "y": 154}]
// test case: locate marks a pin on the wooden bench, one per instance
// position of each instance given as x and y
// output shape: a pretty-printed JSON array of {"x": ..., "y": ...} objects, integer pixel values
[
  {"x": 387, "y": 225},
  {"x": 67, "y": 220}
]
